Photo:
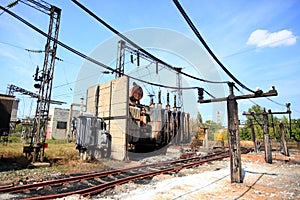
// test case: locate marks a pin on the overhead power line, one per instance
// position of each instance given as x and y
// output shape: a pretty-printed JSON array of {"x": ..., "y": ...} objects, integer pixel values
[
  {"x": 138, "y": 47},
  {"x": 194, "y": 29},
  {"x": 83, "y": 55}
]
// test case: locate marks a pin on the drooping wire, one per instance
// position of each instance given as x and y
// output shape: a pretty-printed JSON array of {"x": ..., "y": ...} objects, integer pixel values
[
  {"x": 194, "y": 29},
  {"x": 209, "y": 94},
  {"x": 9, "y": 44},
  {"x": 192, "y": 26},
  {"x": 257, "y": 121},
  {"x": 10, "y": 5},
  {"x": 83, "y": 55},
  {"x": 140, "y": 48},
  {"x": 248, "y": 98}
]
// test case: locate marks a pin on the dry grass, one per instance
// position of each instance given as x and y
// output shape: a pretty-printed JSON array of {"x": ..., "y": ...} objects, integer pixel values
[
  {"x": 66, "y": 151},
  {"x": 11, "y": 150},
  {"x": 61, "y": 155},
  {"x": 57, "y": 154},
  {"x": 62, "y": 150}
]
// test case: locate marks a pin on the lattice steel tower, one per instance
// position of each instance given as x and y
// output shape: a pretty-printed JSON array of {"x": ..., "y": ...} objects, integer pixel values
[{"x": 44, "y": 78}]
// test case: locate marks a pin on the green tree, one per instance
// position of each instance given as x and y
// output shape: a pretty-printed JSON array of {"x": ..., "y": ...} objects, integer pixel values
[
  {"x": 213, "y": 127},
  {"x": 18, "y": 128},
  {"x": 256, "y": 120},
  {"x": 296, "y": 128},
  {"x": 195, "y": 123},
  {"x": 199, "y": 119}
]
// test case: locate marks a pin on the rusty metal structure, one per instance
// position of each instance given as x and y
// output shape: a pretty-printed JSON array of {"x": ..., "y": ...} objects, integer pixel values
[
  {"x": 44, "y": 79},
  {"x": 13, "y": 88},
  {"x": 153, "y": 127}
]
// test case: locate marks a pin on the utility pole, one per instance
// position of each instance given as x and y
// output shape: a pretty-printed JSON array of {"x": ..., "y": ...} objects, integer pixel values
[
  {"x": 233, "y": 126},
  {"x": 234, "y": 137},
  {"x": 283, "y": 140},
  {"x": 268, "y": 144},
  {"x": 282, "y": 133},
  {"x": 253, "y": 136},
  {"x": 267, "y": 141}
]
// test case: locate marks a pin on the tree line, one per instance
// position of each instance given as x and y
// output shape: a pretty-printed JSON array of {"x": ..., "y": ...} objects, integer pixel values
[{"x": 214, "y": 128}]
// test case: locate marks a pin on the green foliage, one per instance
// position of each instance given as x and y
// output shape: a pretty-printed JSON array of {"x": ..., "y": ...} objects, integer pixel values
[
  {"x": 194, "y": 124},
  {"x": 55, "y": 141},
  {"x": 213, "y": 127},
  {"x": 18, "y": 128},
  {"x": 199, "y": 118},
  {"x": 245, "y": 134},
  {"x": 295, "y": 127},
  {"x": 15, "y": 138}
]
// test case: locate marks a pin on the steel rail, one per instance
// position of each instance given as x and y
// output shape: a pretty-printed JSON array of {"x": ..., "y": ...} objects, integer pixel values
[
  {"x": 12, "y": 188},
  {"x": 97, "y": 189},
  {"x": 164, "y": 167}
]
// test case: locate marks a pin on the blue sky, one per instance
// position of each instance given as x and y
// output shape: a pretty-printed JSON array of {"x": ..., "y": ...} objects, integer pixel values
[{"x": 256, "y": 40}]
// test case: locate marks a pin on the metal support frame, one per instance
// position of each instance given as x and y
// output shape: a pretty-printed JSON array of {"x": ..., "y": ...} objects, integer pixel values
[
  {"x": 179, "y": 90},
  {"x": 45, "y": 80},
  {"x": 120, "y": 59},
  {"x": 120, "y": 62},
  {"x": 11, "y": 89}
]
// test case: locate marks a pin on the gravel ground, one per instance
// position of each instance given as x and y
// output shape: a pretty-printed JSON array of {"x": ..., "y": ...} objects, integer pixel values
[{"x": 279, "y": 180}]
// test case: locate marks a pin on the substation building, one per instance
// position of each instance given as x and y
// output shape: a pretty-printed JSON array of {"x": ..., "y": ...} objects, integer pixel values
[
  {"x": 8, "y": 113},
  {"x": 116, "y": 125}
]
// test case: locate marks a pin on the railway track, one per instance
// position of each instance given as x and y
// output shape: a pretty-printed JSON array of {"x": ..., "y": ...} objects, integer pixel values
[{"x": 94, "y": 183}]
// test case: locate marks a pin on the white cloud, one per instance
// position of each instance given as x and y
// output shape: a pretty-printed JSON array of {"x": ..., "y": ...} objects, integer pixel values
[{"x": 263, "y": 38}]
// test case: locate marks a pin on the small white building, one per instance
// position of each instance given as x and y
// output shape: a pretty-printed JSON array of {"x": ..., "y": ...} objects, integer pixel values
[{"x": 58, "y": 123}]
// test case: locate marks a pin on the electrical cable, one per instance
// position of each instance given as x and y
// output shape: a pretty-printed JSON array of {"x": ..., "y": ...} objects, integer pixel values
[
  {"x": 138, "y": 47},
  {"x": 138, "y": 71},
  {"x": 9, "y": 44},
  {"x": 83, "y": 55},
  {"x": 209, "y": 94},
  {"x": 192, "y": 26},
  {"x": 257, "y": 121},
  {"x": 194, "y": 29},
  {"x": 248, "y": 98}
]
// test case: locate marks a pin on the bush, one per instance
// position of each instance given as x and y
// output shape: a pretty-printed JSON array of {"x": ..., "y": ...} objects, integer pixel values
[{"x": 14, "y": 138}]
